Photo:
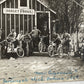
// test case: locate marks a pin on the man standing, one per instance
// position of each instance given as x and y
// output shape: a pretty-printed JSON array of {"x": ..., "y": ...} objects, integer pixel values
[
  {"x": 0, "y": 34},
  {"x": 66, "y": 42},
  {"x": 21, "y": 41},
  {"x": 57, "y": 40},
  {"x": 35, "y": 37},
  {"x": 0, "y": 41}
]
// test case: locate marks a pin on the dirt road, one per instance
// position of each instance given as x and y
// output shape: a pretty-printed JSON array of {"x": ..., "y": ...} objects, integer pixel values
[{"x": 45, "y": 68}]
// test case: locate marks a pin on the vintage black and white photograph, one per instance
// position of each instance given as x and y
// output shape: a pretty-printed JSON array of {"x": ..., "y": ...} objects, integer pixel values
[{"x": 41, "y": 41}]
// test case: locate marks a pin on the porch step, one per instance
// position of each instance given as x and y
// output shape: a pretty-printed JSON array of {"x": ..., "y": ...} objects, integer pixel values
[{"x": 40, "y": 53}]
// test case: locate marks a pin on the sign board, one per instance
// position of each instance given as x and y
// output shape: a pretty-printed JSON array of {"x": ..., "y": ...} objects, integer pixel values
[
  {"x": 18, "y": 11},
  {"x": 1, "y": 1}
]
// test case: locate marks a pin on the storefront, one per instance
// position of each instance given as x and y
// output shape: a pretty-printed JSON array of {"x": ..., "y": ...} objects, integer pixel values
[{"x": 24, "y": 15}]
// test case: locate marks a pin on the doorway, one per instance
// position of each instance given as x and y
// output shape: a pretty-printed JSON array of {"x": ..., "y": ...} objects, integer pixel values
[
  {"x": 43, "y": 26},
  {"x": 43, "y": 23}
]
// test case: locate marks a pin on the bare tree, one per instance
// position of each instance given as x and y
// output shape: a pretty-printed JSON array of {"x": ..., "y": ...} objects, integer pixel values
[{"x": 68, "y": 13}]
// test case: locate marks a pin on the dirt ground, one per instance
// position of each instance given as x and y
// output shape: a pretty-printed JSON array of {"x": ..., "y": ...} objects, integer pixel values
[{"x": 42, "y": 68}]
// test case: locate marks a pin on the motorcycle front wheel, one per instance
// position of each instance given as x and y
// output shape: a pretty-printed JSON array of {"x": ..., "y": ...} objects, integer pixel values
[
  {"x": 20, "y": 52},
  {"x": 51, "y": 51}
]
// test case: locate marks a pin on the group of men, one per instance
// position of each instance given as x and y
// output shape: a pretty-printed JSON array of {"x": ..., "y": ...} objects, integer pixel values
[
  {"x": 34, "y": 34},
  {"x": 63, "y": 39},
  {"x": 13, "y": 36}
]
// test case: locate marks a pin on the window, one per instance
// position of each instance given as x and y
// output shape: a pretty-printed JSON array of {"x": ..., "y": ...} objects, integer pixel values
[{"x": 23, "y": 3}]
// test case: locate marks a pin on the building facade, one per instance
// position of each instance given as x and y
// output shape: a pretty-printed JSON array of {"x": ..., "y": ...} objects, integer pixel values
[{"x": 24, "y": 15}]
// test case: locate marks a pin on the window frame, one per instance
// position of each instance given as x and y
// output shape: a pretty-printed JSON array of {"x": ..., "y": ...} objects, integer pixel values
[{"x": 19, "y": 6}]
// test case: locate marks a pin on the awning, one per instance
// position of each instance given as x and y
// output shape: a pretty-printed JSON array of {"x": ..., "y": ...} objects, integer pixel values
[
  {"x": 1, "y": 1},
  {"x": 45, "y": 5}
]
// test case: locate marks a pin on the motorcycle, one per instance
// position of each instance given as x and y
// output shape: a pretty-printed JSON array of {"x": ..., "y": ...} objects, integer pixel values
[
  {"x": 52, "y": 49},
  {"x": 55, "y": 47},
  {"x": 9, "y": 47}
]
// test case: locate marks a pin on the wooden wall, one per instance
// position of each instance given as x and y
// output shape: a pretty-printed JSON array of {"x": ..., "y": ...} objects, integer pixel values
[{"x": 18, "y": 22}]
